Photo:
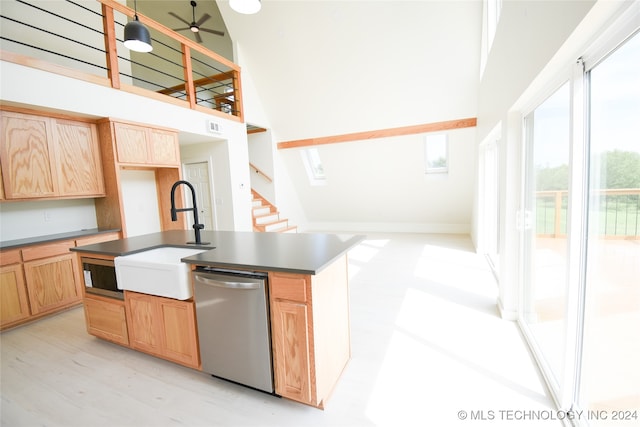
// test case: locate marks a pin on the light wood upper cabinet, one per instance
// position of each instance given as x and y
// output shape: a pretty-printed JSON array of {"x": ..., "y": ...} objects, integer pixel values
[
  {"x": 79, "y": 168},
  {"x": 146, "y": 146},
  {"x": 132, "y": 143},
  {"x": 27, "y": 156},
  {"x": 45, "y": 157},
  {"x": 164, "y": 147}
]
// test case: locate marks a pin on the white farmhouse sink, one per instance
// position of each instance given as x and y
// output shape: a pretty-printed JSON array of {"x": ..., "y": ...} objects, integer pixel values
[{"x": 156, "y": 272}]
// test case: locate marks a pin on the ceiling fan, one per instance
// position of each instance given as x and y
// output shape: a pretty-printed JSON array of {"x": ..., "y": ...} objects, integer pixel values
[{"x": 194, "y": 26}]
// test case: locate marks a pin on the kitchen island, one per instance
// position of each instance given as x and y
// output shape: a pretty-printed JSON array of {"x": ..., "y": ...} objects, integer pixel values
[{"x": 308, "y": 304}]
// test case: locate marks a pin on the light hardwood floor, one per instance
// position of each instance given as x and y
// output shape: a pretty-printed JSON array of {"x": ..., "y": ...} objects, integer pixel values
[{"x": 427, "y": 342}]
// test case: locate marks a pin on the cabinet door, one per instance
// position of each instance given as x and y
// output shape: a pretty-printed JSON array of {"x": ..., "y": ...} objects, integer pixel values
[
  {"x": 78, "y": 163},
  {"x": 291, "y": 358},
  {"x": 14, "y": 304},
  {"x": 164, "y": 147},
  {"x": 131, "y": 143},
  {"x": 144, "y": 323},
  {"x": 26, "y": 154},
  {"x": 180, "y": 340},
  {"x": 52, "y": 283},
  {"x": 106, "y": 319}
]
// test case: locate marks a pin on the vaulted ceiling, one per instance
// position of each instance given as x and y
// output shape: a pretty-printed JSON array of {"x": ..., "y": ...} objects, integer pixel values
[{"x": 322, "y": 67}]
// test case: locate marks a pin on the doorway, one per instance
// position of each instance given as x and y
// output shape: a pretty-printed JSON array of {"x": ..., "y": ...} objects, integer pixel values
[{"x": 198, "y": 175}]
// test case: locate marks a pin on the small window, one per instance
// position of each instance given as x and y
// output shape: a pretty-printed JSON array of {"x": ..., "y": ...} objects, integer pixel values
[
  {"x": 313, "y": 165},
  {"x": 436, "y": 153}
]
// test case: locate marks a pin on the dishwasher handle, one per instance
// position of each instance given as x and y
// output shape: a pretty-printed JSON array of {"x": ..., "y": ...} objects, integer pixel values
[{"x": 226, "y": 284}]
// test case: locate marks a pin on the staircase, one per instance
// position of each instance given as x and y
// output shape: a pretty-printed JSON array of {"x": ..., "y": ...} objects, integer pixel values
[{"x": 267, "y": 218}]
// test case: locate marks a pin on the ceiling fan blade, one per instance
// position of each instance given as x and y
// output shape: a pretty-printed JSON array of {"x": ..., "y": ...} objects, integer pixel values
[
  {"x": 203, "y": 19},
  {"x": 198, "y": 38},
  {"x": 177, "y": 17},
  {"x": 181, "y": 29},
  {"x": 206, "y": 30}
]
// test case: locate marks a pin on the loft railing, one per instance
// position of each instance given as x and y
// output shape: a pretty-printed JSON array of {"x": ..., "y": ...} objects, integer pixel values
[
  {"x": 84, "y": 40},
  {"x": 618, "y": 213}
]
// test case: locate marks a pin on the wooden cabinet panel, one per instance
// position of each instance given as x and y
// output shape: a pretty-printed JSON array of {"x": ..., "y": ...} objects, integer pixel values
[
  {"x": 47, "y": 250},
  {"x": 14, "y": 303},
  {"x": 148, "y": 146},
  {"x": 26, "y": 156},
  {"x": 1, "y": 183},
  {"x": 163, "y": 327},
  {"x": 292, "y": 287},
  {"x": 143, "y": 322},
  {"x": 10, "y": 256},
  {"x": 52, "y": 283},
  {"x": 164, "y": 147},
  {"x": 310, "y": 331},
  {"x": 79, "y": 169},
  {"x": 98, "y": 238},
  {"x": 179, "y": 332},
  {"x": 291, "y": 355},
  {"x": 106, "y": 319},
  {"x": 132, "y": 143}
]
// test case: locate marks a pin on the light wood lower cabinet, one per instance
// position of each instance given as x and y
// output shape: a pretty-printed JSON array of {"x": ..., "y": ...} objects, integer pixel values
[
  {"x": 14, "y": 302},
  {"x": 310, "y": 332},
  {"x": 52, "y": 283},
  {"x": 293, "y": 370},
  {"x": 163, "y": 327},
  {"x": 106, "y": 319}
]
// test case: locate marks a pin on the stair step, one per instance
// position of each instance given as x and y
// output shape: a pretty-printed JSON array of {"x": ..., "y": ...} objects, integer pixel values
[
  {"x": 260, "y": 211},
  {"x": 256, "y": 203},
  {"x": 267, "y": 219},
  {"x": 276, "y": 225},
  {"x": 290, "y": 229}
]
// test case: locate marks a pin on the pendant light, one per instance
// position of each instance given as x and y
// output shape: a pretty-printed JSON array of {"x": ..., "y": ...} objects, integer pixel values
[
  {"x": 247, "y": 7},
  {"x": 136, "y": 35}
]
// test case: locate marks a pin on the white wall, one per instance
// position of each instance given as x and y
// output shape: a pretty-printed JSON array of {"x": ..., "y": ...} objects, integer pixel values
[
  {"x": 380, "y": 185},
  {"x": 48, "y": 91},
  {"x": 232, "y": 211},
  {"x": 19, "y": 220},
  {"x": 140, "y": 202}
]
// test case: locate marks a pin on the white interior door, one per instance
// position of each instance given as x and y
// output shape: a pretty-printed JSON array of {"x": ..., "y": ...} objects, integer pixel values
[{"x": 198, "y": 175}]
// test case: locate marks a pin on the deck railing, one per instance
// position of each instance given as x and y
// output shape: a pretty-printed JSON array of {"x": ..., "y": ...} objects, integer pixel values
[
  {"x": 618, "y": 213},
  {"x": 84, "y": 40}
]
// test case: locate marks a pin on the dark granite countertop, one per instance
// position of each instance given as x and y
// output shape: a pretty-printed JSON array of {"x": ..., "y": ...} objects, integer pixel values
[
  {"x": 302, "y": 253},
  {"x": 12, "y": 244}
]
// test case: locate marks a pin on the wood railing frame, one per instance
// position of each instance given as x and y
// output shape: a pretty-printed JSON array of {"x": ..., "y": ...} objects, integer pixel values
[
  {"x": 108, "y": 7},
  {"x": 260, "y": 172},
  {"x": 113, "y": 73}
]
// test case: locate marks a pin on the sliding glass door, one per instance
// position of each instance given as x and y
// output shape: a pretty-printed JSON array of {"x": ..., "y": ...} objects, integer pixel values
[
  {"x": 545, "y": 250},
  {"x": 610, "y": 379},
  {"x": 580, "y": 261}
]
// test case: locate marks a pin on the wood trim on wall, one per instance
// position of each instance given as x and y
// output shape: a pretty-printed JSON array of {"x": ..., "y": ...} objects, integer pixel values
[{"x": 382, "y": 133}]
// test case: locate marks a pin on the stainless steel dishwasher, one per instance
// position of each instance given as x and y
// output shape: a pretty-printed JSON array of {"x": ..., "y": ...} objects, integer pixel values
[{"x": 233, "y": 326}]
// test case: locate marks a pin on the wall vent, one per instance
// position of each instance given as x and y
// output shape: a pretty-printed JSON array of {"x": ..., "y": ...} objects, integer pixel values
[{"x": 214, "y": 127}]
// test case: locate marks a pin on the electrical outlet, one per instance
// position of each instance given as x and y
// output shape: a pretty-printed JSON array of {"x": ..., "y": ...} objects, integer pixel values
[{"x": 47, "y": 216}]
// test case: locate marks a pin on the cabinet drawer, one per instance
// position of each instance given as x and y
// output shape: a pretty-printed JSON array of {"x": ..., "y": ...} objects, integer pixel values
[
  {"x": 11, "y": 256},
  {"x": 44, "y": 251},
  {"x": 291, "y": 287},
  {"x": 98, "y": 238}
]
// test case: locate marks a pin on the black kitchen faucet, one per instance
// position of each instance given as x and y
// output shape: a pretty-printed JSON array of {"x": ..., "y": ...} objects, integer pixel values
[{"x": 174, "y": 212}]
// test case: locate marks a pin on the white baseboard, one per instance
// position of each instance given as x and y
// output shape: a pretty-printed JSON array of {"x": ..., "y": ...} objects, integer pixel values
[{"x": 390, "y": 227}]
